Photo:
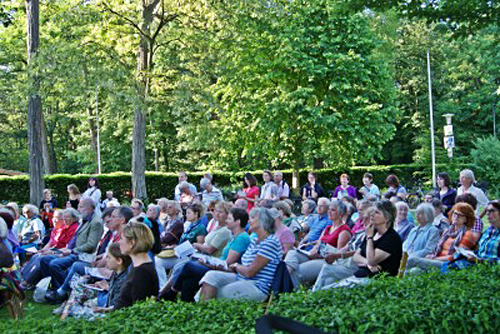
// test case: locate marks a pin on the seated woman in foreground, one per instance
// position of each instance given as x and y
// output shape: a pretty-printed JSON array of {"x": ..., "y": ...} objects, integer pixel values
[
  {"x": 458, "y": 235},
  {"x": 381, "y": 251},
  {"x": 253, "y": 278},
  {"x": 187, "y": 282},
  {"x": 489, "y": 244},
  {"x": 305, "y": 266},
  {"x": 142, "y": 280}
]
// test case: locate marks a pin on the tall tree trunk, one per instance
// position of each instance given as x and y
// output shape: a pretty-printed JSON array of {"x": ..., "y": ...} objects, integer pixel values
[
  {"x": 34, "y": 105},
  {"x": 296, "y": 177},
  {"x": 139, "y": 132}
]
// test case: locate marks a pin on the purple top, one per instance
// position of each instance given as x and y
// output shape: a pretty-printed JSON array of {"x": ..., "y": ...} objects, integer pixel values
[
  {"x": 11, "y": 237},
  {"x": 340, "y": 192}
]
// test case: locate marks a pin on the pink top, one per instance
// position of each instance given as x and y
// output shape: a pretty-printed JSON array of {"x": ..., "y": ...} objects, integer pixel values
[
  {"x": 251, "y": 192},
  {"x": 333, "y": 237},
  {"x": 285, "y": 236},
  {"x": 55, "y": 235},
  {"x": 358, "y": 226}
]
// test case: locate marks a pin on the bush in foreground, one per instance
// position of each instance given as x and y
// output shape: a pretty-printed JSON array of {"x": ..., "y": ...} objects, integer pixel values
[{"x": 460, "y": 302}]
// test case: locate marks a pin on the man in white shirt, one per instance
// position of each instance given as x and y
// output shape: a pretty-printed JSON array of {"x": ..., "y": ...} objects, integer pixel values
[
  {"x": 177, "y": 193},
  {"x": 283, "y": 188},
  {"x": 209, "y": 192},
  {"x": 467, "y": 180}
]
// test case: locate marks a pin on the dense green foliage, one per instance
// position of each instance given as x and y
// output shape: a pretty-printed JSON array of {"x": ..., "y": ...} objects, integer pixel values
[
  {"x": 245, "y": 85},
  {"x": 463, "y": 302},
  {"x": 486, "y": 159},
  {"x": 163, "y": 184}
]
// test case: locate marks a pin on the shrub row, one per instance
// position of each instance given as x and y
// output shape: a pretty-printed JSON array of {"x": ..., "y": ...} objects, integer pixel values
[
  {"x": 16, "y": 188},
  {"x": 460, "y": 302}
]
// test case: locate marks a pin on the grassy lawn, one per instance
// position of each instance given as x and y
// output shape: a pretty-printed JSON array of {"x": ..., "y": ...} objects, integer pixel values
[{"x": 31, "y": 309}]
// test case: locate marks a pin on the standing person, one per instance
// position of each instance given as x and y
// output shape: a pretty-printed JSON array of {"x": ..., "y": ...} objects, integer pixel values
[
  {"x": 369, "y": 189},
  {"x": 209, "y": 192},
  {"x": 109, "y": 198},
  {"x": 74, "y": 196},
  {"x": 48, "y": 199},
  {"x": 445, "y": 193},
  {"x": 94, "y": 193},
  {"x": 250, "y": 191},
  {"x": 312, "y": 190},
  {"x": 269, "y": 190},
  {"x": 183, "y": 178},
  {"x": 467, "y": 186},
  {"x": 344, "y": 189},
  {"x": 283, "y": 187}
]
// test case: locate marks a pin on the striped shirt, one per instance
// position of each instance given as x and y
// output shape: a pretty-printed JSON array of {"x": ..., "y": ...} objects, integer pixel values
[
  {"x": 489, "y": 244},
  {"x": 270, "y": 248}
]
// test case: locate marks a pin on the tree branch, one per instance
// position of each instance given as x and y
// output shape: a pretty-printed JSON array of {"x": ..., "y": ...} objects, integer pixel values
[{"x": 131, "y": 22}]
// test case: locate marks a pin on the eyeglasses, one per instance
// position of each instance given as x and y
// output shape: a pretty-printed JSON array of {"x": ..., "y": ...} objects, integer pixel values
[{"x": 458, "y": 214}]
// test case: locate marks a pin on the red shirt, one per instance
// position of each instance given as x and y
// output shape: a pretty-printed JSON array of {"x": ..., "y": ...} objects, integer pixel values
[
  {"x": 333, "y": 237},
  {"x": 251, "y": 192},
  {"x": 66, "y": 235}
]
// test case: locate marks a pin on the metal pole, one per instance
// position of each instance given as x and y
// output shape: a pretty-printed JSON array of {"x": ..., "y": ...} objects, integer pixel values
[
  {"x": 98, "y": 131},
  {"x": 494, "y": 120},
  {"x": 433, "y": 155}
]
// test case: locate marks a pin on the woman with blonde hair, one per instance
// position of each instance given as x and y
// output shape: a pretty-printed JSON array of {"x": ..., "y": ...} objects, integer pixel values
[
  {"x": 74, "y": 196},
  {"x": 142, "y": 280}
]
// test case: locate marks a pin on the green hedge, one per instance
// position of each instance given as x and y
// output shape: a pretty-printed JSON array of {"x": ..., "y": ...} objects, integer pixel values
[
  {"x": 460, "y": 302},
  {"x": 16, "y": 188}
]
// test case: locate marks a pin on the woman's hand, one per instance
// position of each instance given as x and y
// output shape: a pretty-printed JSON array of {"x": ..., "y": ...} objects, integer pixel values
[
  {"x": 374, "y": 269},
  {"x": 330, "y": 258},
  {"x": 233, "y": 267},
  {"x": 430, "y": 256},
  {"x": 370, "y": 230}
]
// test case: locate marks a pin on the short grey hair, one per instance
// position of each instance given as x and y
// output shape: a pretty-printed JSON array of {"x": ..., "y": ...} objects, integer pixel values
[
  {"x": 402, "y": 204},
  {"x": 468, "y": 174},
  {"x": 176, "y": 205},
  {"x": 88, "y": 202},
  {"x": 74, "y": 213},
  {"x": 156, "y": 209},
  {"x": 4, "y": 231},
  {"x": 31, "y": 208},
  {"x": 266, "y": 220},
  {"x": 427, "y": 210},
  {"x": 310, "y": 204},
  {"x": 279, "y": 173},
  {"x": 326, "y": 200},
  {"x": 183, "y": 185},
  {"x": 204, "y": 182},
  {"x": 162, "y": 202},
  {"x": 341, "y": 207}
]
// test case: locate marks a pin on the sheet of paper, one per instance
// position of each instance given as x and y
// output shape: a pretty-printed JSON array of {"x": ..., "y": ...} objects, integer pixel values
[
  {"x": 184, "y": 250},
  {"x": 32, "y": 250},
  {"x": 101, "y": 273},
  {"x": 465, "y": 252}
]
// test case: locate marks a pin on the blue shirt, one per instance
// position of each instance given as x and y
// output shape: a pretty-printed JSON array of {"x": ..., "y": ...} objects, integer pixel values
[
  {"x": 422, "y": 241},
  {"x": 489, "y": 244},
  {"x": 270, "y": 248},
  {"x": 238, "y": 243},
  {"x": 317, "y": 226}
]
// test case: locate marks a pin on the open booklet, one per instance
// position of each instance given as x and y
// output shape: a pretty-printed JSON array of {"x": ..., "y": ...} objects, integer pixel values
[
  {"x": 184, "y": 250},
  {"x": 214, "y": 261},
  {"x": 101, "y": 273},
  {"x": 465, "y": 252}
]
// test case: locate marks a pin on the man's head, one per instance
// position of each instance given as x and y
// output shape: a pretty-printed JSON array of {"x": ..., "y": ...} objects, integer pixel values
[
  {"x": 205, "y": 184},
  {"x": 86, "y": 206},
  {"x": 182, "y": 177},
  {"x": 29, "y": 210},
  {"x": 278, "y": 177},
  {"x": 323, "y": 205},
  {"x": 136, "y": 205},
  {"x": 109, "y": 194},
  {"x": 119, "y": 217},
  {"x": 241, "y": 203}
]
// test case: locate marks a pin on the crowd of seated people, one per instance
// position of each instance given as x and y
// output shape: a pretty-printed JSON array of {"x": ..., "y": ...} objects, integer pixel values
[{"x": 202, "y": 246}]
